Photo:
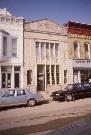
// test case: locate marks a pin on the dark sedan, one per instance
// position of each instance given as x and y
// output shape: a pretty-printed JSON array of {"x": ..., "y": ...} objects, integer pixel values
[{"x": 73, "y": 91}]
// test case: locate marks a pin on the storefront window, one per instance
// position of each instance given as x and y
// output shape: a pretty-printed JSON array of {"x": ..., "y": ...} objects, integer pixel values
[
  {"x": 65, "y": 76},
  {"x": 48, "y": 74},
  {"x": 57, "y": 74},
  {"x": 52, "y": 73}
]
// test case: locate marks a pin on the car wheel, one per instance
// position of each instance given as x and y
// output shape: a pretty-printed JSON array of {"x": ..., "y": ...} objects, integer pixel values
[
  {"x": 31, "y": 102},
  {"x": 69, "y": 97}
]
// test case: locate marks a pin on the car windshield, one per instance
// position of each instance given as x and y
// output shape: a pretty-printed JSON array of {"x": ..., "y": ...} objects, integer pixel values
[{"x": 69, "y": 87}]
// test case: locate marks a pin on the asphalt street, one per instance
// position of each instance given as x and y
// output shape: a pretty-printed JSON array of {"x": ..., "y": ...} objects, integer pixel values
[{"x": 26, "y": 120}]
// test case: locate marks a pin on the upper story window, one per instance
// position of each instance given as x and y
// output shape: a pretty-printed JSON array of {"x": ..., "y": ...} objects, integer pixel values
[
  {"x": 52, "y": 50},
  {"x": 65, "y": 76},
  {"x": 42, "y": 50},
  {"x": 14, "y": 47},
  {"x": 37, "y": 49},
  {"x": 47, "y": 51},
  {"x": 76, "y": 50},
  {"x": 87, "y": 54},
  {"x": 4, "y": 46},
  {"x": 56, "y": 50}
]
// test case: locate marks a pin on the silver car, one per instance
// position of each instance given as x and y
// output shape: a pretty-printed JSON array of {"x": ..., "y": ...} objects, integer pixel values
[{"x": 19, "y": 97}]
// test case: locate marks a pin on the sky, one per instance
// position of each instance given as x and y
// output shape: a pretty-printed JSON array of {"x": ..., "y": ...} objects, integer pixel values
[{"x": 60, "y": 11}]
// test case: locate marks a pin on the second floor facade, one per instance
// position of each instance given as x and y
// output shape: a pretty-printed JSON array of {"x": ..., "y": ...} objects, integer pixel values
[
  {"x": 11, "y": 38},
  {"x": 79, "y": 40}
]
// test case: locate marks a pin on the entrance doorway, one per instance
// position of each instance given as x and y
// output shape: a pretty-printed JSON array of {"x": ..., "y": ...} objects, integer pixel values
[
  {"x": 16, "y": 78},
  {"x": 6, "y": 80},
  {"x": 40, "y": 78}
]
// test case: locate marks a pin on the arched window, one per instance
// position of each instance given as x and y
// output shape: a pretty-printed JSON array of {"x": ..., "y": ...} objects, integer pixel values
[
  {"x": 76, "y": 50},
  {"x": 87, "y": 51}
]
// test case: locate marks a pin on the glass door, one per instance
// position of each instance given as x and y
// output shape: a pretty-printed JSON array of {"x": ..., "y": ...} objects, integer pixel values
[{"x": 6, "y": 80}]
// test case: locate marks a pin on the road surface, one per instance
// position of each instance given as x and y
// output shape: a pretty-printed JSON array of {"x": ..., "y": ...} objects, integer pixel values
[{"x": 27, "y": 120}]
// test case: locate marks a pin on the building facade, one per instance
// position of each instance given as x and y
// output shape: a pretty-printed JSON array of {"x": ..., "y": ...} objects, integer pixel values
[
  {"x": 79, "y": 52},
  {"x": 11, "y": 50},
  {"x": 45, "y": 51}
]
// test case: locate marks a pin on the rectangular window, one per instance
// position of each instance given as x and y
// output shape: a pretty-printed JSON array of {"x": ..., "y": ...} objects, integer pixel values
[
  {"x": 52, "y": 73},
  {"x": 52, "y": 48},
  {"x": 37, "y": 49},
  {"x": 21, "y": 92},
  {"x": 57, "y": 74},
  {"x": 56, "y": 49},
  {"x": 14, "y": 47},
  {"x": 65, "y": 76},
  {"x": 48, "y": 74},
  {"x": 4, "y": 46},
  {"x": 47, "y": 51},
  {"x": 42, "y": 51},
  {"x": 29, "y": 79}
]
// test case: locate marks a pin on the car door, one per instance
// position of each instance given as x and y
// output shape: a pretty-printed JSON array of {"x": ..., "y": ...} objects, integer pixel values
[
  {"x": 78, "y": 90},
  {"x": 7, "y": 99},
  {"x": 20, "y": 97},
  {"x": 87, "y": 87}
]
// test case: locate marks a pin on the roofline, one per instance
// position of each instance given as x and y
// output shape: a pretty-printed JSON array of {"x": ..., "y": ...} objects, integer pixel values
[
  {"x": 26, "y": 22},
  {"x": 77, "y": 22}
]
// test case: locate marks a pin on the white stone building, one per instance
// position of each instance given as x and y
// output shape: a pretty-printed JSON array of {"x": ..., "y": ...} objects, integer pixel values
[
  {"x": 11, "y": 50},
  {"x": 45, "y": 53}
]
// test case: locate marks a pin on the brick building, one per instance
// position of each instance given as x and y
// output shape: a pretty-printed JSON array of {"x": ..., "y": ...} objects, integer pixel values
[{"x": 79, "y": 52}]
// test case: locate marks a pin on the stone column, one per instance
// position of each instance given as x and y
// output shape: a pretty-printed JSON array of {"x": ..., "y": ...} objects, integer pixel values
[
  {"x": 0, "y": 78},
  {"x": 45, "y": 65},
  {"x": 50, "y": 64},
  {"x": 79, "y": 76},
  {"x": 12, "y": 78}
]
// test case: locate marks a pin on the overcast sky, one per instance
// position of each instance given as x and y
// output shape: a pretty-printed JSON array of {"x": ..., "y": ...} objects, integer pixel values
[{"x": 60, "y": 11}]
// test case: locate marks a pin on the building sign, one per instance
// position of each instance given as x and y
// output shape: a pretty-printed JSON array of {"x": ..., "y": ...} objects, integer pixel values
[{"x": 82, "y": 63}]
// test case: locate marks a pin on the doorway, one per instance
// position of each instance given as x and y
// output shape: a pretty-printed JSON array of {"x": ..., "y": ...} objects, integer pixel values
[
  {"x": 16, "y": 78},
  {"x": 6, "y": 80}
]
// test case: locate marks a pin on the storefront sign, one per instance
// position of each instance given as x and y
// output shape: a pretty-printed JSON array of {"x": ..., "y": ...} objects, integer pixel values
[{"x": 81, "y": 63}]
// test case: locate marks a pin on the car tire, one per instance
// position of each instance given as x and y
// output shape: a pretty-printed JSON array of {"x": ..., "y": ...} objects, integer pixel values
[
  {"x": 31, "y": 102},
  {"x": 69, "y": 97}
]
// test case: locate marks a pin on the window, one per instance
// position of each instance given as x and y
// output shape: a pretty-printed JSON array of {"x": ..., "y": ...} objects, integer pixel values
[
  {"x": 86, "y": 47},
  {"x": 29, "y": 79},
  {"x": 42, "y": 50},
  {"x": 37, "y": 49},
  {"x": 4, "y": 46},
  {"x": 21, "y": 92},
  {"x": 48, "y": 74},
  {"x": 65, "y": 76},
  {"x": 52, "y": 52},
  {"x": 56, "y": 49},
  {"x": 76, "y": 50},
  {"x": 14, "y": 47},
  {"x": 52, "y": 73},
  {"x": 57, "y": 74},
  {"x": 47, "y": 50},
  {"x": 9, "y": 93}
]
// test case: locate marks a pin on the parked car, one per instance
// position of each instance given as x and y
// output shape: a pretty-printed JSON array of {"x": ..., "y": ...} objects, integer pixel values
[
  {"x": 20, "y": 97},
  {"x": 73, "y": 91}
]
